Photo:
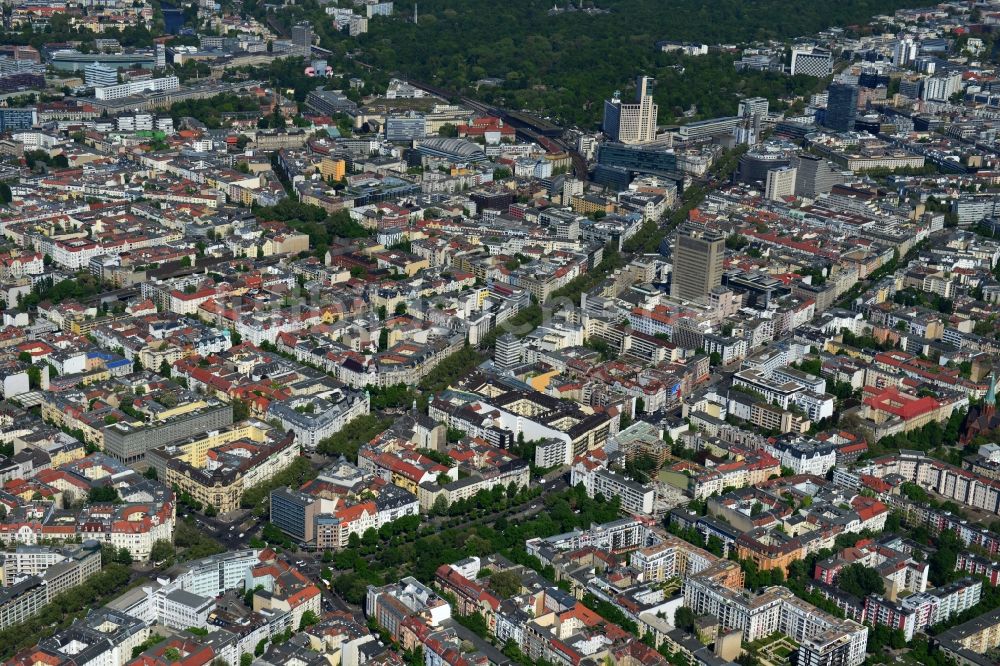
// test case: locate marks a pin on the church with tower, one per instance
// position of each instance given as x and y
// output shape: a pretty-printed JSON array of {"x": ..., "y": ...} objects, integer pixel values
[{"x": 982, "y": 419}]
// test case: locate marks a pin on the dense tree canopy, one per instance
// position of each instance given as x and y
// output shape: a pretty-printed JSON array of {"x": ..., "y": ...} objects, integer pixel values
[
  {"x": 352, "y": 436},
  {"x": 860, "y": 580},
  {"x": 209, "y": 110},
  {"x": 414, "y": 548},
  {"x": 64, "y": 608},
  {"x": 292, "y": 476},
  {"x": 84, "y": 285},
  {"x": 566, "y": 63},
  {"x": 505, "y": 583},
  {"x": 320, "y": 226},
  {"x": 99, "y": 494}
]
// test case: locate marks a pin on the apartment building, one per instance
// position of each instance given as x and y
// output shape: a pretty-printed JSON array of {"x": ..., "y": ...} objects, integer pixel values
[
  {"x": 22, "y": 601},
  {"x": 617, "y": 536},
  {"x": 105, "y": 636},
  {"x": 674, "y": 557},
  {"x": 392, "y": 604},
  {"x": 132, "y": 525},
  {"x": 828, "y": 648},
  {"x": 901, "y": 573},
  {"x": 500, "y": 411},
  {"x": 774, "y": 609},
  {"x": 952, "y": 482},
  {"x": 969, "y": 642},
  {"x": 70, "y": 564},
  {"x": 804, "y": 456},
  {"x": 313, "y": 418},
  {"x": 919, "y": 611},
  {"x": 635, "y": 497},
  {"x": 977, "y": 565},
  {"x": 482, "y": 467},
  {"x": 344, "y": 500}
]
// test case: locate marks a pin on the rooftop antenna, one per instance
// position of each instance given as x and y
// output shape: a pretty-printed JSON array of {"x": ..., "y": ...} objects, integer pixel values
[{"x": 414, "y": 13}]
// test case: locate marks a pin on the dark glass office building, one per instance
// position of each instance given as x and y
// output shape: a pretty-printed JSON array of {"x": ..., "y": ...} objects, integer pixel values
[
  {"x": 617, "y": 163},
  {"x": 841, "y": 107}
]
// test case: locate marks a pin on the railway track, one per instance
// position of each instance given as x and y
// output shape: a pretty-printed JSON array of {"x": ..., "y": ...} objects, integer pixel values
[{"x": 529, "y": 127}]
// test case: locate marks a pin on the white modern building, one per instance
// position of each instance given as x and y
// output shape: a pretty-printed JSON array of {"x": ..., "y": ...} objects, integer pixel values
[
  {"x": 635, "y": 497},
  {"x": 780, "y": 183},
  {"x": 211, "y": 576},
  {"x": 904, "y": 52},
  {"x": 776, "y": 388},
  {"x": 97, "y": 75},
  {"x": 941, "y": 87},
  {"x": 811, "y": 62},
  {"x": 632, "y": 123},
  {"x": 775, "y": 609},
  {"x": 120, "y": 91},
  {"x": 181, "y": 609}
]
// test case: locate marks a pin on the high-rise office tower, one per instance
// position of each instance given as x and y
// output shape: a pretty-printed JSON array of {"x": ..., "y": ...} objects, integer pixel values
[
  {"x": 697, "y": 262},
  {"x": 911, "y": 87},
  {"x": 302, "y": 36},
  {"x": 814, "y": 175},
  {"x": 841, "y": 107},
  {"x": 811, "y": 62},
  {"x": 746, "y": 131},
  {"x": 509, "y": 351},
  {"x": 780, "y": 183},
  {"x": 752, "y": 111},
  {"x": 632, "y": 123},
  {"x": 905, "y": 52},
  {"x": 942, "y": 86},
  {"x": 753, "y": 106}
]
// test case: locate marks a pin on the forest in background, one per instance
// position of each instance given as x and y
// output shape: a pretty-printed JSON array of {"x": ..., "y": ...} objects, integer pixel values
[{"x": 567, "y": 63}]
